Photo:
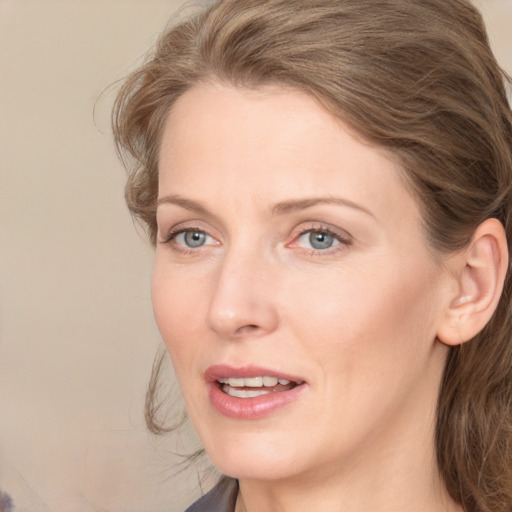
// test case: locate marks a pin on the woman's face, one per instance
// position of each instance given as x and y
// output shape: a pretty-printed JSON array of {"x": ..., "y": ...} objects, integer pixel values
[{"x": 289, "y": 250}]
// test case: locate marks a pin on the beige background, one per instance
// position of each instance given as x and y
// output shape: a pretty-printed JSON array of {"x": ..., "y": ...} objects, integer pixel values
[{"x": 77, "y": 333}]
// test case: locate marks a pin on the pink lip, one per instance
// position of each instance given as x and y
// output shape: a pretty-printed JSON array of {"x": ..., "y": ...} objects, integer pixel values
[
  {"x": 249, "y": 408},
  {"x": 221, "y": 371}
]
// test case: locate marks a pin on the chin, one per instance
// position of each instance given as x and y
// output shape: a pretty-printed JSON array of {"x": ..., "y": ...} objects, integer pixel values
[
  {"x": 252, "y": 458},
  {"x": 261, "y": 469}
]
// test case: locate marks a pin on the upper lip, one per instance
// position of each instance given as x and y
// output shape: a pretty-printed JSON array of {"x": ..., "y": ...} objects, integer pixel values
[{"x": 222, "y": 371}]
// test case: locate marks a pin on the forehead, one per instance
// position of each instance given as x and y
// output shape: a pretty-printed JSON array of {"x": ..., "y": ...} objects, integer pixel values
[{"x": 272, "y": 143}]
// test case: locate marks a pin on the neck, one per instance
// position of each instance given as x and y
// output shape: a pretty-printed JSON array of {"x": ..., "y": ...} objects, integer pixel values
[
  {"x": 368, "y": 491},
  {"x": 377, "y": 479}
]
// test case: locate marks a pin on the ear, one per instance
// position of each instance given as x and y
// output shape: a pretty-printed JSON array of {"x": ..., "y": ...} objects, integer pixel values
[{"x": 479, "y": 273}]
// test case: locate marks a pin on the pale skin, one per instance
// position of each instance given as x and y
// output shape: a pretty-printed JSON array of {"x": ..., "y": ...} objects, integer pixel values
[{"x": 286, "y": 242}]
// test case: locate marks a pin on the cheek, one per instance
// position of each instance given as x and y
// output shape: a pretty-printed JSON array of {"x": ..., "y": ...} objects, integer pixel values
[
  {"x": 371, "y": 337},
  {"x": 383, "y": 310},
  {"x": 179, "y": 314}
]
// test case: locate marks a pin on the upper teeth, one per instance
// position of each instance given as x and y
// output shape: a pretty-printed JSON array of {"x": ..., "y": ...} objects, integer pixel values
[{"x": 253, "y": 382}]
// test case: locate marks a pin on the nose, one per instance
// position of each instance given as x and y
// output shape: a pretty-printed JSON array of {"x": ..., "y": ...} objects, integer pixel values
[{"x": 243, "y": 300}]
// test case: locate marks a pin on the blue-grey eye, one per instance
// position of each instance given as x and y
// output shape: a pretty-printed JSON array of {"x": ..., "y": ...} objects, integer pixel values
[
  {"x": 318, "y": 240},
  {"x": 192, "y": 239},
  {"x": 321, "y": 240}
]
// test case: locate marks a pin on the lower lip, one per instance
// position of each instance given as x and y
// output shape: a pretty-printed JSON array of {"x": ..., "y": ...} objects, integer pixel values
[{"x": 251, "y": 408}]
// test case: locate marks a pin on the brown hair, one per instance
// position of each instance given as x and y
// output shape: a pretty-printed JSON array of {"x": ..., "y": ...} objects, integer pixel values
[{"x": 416, "y": 77}]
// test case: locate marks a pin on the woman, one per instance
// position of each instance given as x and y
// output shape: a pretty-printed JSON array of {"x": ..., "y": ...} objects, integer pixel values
[{"x": 328, "y": 188}]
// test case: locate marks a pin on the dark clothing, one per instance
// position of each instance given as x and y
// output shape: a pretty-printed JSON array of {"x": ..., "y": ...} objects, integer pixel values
[
  {"x": 222, "y": 498},
  {"x": 6, "y": 504}
]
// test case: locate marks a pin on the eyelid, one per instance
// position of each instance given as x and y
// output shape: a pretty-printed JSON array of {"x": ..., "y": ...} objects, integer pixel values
[
  {"x": 183, "y": 227},
  {"x": 343, "y": 237}
]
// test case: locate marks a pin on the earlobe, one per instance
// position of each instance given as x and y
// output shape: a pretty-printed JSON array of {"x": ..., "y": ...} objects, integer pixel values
[{"x": 479, "y": 272}]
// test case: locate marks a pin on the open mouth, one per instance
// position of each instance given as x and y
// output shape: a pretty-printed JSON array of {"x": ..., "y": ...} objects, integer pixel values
[
  {"x": 251, "y": 387},
  {"x": 250, "y": 392}
]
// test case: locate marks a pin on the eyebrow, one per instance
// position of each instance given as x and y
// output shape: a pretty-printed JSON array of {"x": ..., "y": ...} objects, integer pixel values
[
  {"x": 281, "y": 208},
  {"x": 293, "y": 205},
  {"x": 187, "y": 204}
]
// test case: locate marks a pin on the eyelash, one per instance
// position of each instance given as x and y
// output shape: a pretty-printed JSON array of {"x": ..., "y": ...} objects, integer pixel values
[
  {"x": 175, "y": 232},
  {"x": 344, "y": 241}
]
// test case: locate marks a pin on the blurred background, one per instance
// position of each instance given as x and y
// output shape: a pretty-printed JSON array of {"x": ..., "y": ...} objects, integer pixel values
[{"x": 77, "y": 336}]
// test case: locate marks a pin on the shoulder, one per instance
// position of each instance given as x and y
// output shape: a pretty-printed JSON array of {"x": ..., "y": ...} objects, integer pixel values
[{"x": 222, "y": 498}]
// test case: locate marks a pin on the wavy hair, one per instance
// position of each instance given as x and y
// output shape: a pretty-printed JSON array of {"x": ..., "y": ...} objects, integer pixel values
[{"x": 415, "y": 77}]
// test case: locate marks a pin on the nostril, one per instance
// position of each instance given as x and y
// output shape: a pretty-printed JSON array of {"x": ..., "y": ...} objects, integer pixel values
[{"x": 246, "y": 329}]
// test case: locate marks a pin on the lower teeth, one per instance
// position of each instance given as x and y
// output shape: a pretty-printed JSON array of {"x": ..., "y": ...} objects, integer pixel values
[{"x": 244, "y": 393}]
